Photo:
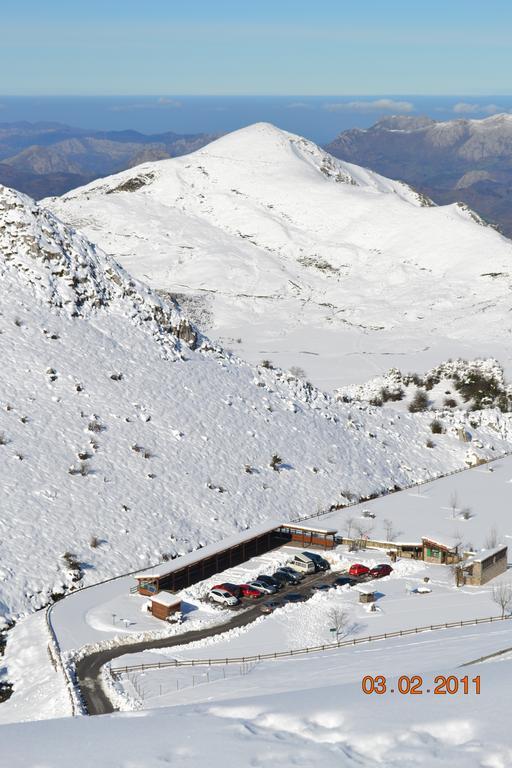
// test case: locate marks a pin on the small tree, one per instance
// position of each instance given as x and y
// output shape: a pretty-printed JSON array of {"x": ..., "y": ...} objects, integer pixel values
[
  {"x": 362, "y": 533},
  {"x": 349, "y": 523},
  {"x": 419, "y": 402},
  {"x": 492, "y": 539},
  {"x": 391, "y": 532},
  {"x": 338, "y": 619},
  {"x": 454, "y": 503},
  {"x": 502, "y": 596},
  {"x": 436, "y": 427}
]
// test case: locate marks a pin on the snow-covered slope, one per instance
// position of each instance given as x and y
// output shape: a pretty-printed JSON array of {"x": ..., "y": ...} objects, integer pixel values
[
  {"x": 126, "y": 436},
  {"x": 306, "y": 260},
  {"x": 316, "y": 716}
]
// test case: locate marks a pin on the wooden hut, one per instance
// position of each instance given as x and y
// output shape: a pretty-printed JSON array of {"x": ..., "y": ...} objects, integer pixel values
[
  {"x": 164, "y": 605},
  {"x": 442, "y": 550}
]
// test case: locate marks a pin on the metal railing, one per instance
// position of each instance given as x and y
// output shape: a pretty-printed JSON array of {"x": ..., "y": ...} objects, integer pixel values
[{"x": 116, "y": 671}]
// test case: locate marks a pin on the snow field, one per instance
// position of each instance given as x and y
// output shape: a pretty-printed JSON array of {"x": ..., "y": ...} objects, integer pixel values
[
  {"x": 300, "y": 258},
  {"x": 296, "y": 720}
]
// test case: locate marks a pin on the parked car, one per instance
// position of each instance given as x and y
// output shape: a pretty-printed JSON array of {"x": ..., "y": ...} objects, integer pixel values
[
  {"x": 383, "y": 569},
  {"x": 248, "y": 590},
  {"x": 293, "y": 597},
  {"x": 227, "y": 587},
  {"x": 268, "y": 589},
  {"x": 269, "y": 580},
  {"x": 358, "y": 570},
  {"x": 223, "y": 597},
  {"x": 342, "y": 580},
  {"x": 321, "y": 587},
  {"x": 282, "y": 578},
  {"x": 270, "y": 606},
  {"x": 319, "y": 562},
  {"x": 294, "y": 574},
  {"x": 288, "y": 576},
  {"x": 303, "y": 564}
]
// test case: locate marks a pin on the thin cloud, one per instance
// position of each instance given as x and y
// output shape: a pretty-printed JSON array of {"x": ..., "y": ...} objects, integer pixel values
[
  {"x": 378, "y": 105},
  {"x": 162, "y": 103},
  {"x": 167, "y": 102},
  {"x": 299, "y": 105},
  {"x": 464, "y": 108}
]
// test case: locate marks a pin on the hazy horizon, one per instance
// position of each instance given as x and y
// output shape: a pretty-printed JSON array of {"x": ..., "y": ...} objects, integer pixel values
[{"x": 317, "y": 117}]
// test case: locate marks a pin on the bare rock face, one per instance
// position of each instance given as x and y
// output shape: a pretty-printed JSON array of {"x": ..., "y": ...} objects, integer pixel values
[{"x": 70, "y": 273}]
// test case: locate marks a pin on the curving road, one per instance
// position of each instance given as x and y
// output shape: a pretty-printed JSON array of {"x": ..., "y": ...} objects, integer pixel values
[{"x": 88, "y": 669}]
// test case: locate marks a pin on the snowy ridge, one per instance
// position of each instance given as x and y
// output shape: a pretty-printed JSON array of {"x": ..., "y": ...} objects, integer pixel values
[{"x": 303, "y": 259}]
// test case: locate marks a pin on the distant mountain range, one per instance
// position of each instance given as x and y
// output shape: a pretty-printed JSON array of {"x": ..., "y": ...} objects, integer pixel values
[
  {"x": 43, "y": 159},
  {"x": 460, "y": 160}
]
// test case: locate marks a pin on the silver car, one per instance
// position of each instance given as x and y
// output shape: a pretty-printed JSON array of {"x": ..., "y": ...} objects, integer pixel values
[{"x": 268, "y": 589}]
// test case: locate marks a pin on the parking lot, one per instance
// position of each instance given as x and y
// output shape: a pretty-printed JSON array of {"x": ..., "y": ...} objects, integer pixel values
[{"x": 306, "y": 588}]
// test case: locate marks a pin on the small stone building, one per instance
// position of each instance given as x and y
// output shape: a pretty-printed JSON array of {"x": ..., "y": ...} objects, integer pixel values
[
  {"x": 367, "y": 594},
  {"x": 164, "y": 605},
  {"x": 484, "y": 565}
]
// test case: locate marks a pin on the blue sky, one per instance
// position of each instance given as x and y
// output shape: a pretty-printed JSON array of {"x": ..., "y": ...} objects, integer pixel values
[{"x": 281, "y": 47}]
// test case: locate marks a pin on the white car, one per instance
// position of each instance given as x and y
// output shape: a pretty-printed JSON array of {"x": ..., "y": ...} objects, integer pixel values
[{"x": 223, "y": 597}]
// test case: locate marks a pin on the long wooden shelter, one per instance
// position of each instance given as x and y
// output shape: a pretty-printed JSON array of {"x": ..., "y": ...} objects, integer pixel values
[{"x": 207, "y": 561}]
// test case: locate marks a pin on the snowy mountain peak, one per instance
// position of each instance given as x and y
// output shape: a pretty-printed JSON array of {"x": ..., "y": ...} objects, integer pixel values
[
  {"x": 263, "y": 144},
  {"x": 67, "y": 271},
  {"x": 278, "y": 257}
]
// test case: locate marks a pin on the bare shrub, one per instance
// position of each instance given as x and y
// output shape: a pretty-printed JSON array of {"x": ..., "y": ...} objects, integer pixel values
[
  {"x": 275, "y": 462},
  {"x": 95, "y": 426}
]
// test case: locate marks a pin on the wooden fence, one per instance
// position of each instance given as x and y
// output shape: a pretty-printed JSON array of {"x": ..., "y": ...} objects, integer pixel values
[{"x": 116, "y": 671}]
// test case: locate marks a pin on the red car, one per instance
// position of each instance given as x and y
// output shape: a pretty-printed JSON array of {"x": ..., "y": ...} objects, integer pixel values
[
  {"x": 358, "y": 570},
  {"x": 234, "y": 589},
  {"x": 248, "y": 591},
  {"x": 380, "y": 570}
]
